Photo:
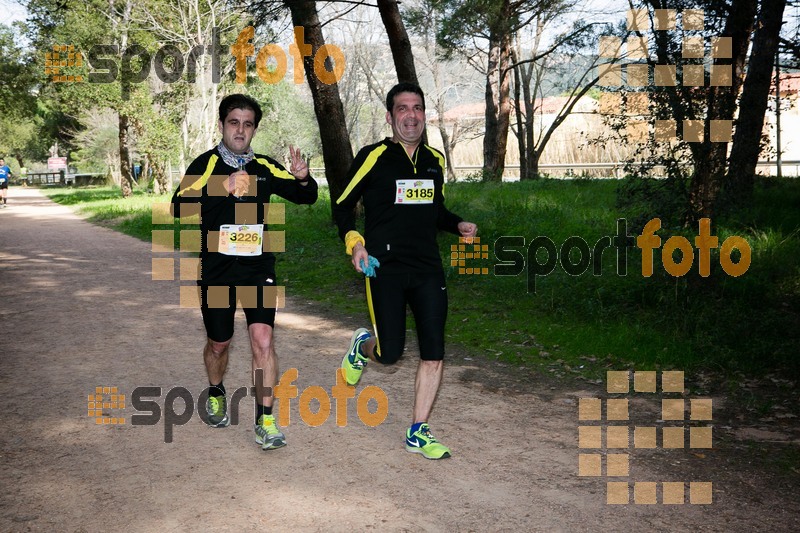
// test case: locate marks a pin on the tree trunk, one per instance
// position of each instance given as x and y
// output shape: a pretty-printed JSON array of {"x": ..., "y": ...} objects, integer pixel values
[
  {"x": 498, "y": 102},
  {"x": 337, "y": 152},
  {"x": 529, "y": 93},
  {"x": 709, "y": 170},
  {"x": 144, "y": 169},
  {"x": 531, "y": 154},
  {"x": 753, "y": 105},
  {"x": 158, "y": 168},
  {"x": 522, "y": 132},
  {"x": 160, "y": 178},
  {"x": 447, "y": 145},
  {"x": 399, "y": 42},
  {"x": 523, "y": 76},
  {"x": 504, "y": 117},
  {"x": 710, "y": 159},
  {"x": 490, "y": 155},
  {"x": 126, "y": 181}
]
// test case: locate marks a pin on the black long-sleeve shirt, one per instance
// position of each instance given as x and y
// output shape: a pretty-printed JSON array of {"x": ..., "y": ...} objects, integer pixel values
[
  {"x": 403, "y": 206},
  {"x": 204, "y": 184}
]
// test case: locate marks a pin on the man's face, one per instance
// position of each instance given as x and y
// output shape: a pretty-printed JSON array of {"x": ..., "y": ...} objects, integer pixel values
[
  {"x": 2, "y": 162},
  {"x": 238, "y": 130},
  {"x": 407, "y": 118}
]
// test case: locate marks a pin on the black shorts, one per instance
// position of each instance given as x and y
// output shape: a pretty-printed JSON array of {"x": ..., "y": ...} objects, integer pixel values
[
  {"x": 4, "y": 185},
  {"x": 426, "y": 295},
  {"x": 218, "y": 305}
]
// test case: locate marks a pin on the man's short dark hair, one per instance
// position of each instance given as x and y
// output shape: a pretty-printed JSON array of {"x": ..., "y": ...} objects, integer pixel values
[
  {"x": 238, "y": 101},
  {"x": 404, "y": 87}
]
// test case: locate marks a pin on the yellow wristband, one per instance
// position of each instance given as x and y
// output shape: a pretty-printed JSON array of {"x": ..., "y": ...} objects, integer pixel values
[{"x": 351, "y": 239}]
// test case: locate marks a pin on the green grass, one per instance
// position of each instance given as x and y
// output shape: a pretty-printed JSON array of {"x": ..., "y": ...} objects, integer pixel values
[{"x": 582, "y": 323}]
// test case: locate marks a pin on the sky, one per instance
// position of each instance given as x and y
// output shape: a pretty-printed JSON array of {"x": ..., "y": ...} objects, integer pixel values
[{"x": 11, "y": 11}]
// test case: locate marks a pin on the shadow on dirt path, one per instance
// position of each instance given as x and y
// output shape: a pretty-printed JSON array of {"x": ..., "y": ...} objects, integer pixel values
[{"x": 79, "y": 310}]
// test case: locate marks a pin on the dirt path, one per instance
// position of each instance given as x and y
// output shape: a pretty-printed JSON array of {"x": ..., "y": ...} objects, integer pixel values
[{"x": 79, "y": 310}]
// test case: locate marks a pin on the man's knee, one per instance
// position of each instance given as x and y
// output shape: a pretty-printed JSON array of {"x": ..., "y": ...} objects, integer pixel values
[
  {"x": 261, "y": 338},
  {"x": 388, "y": 354},
  {"x": 217, "y": 348}
]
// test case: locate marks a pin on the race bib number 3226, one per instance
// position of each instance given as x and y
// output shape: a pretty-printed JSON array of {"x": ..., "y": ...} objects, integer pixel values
[
  {"x": 414, "y": 192},
  {"x": 241, "y": 239}
]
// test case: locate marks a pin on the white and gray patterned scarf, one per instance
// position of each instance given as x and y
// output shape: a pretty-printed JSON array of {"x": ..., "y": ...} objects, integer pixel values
[{"x": 233, "y": 160}]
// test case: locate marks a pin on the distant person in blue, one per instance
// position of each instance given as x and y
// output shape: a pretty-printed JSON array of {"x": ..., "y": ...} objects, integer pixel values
[{"x": 5, "y": 177}]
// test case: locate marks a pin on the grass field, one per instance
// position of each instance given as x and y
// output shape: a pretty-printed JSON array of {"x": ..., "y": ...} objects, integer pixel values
[{"x": 572, "y": 323}]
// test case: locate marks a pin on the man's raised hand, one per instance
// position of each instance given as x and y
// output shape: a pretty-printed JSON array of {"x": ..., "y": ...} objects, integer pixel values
[{"x": 298, "y": 166}]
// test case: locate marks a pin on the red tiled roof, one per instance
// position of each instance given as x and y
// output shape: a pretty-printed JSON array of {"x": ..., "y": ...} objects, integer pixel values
[
  {"x": 548, "y": 106},
  {"x": 790, "y": 82},
  {"x": 465, "y": 111}
]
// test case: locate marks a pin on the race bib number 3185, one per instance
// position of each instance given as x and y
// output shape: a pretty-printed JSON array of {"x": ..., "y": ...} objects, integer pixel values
[{"x": 414, "y": 192}]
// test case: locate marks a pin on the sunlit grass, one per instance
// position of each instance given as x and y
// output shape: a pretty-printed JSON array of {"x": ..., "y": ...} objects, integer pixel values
[{"x": 577, "y": 323}]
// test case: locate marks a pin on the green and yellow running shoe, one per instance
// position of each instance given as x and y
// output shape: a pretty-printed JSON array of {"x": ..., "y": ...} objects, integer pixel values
[
  {"x": 354, "y": 363},
  {"x": 421, "y": 441},
  {"x": 216, "y": 407},
  {"x": 267, "y": 433}
]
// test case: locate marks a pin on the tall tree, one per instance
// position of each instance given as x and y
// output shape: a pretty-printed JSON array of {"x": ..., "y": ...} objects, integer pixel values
[
  {"x": 482, "y": 31},
  {"x": 753, "y": 105},
  {"x": 448, "y": 77},
  {"x": 19, "y": 120},
  {"x": 399, "y": 42},
  {"x": 337, "y": 153},
  {"x": 699, "y": 98},
  {"x": 709, "y": 156},
  {"x": 194, "y": 29},
  {"x": 363, "y": 87},
  {"x": 568, "y": 61},
  {"x": 88, "y": 25},
  {"x": 121, "y": 26}
]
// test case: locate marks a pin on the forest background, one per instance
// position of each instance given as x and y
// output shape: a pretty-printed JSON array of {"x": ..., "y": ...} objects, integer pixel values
[{"x": 517, "y": 84}]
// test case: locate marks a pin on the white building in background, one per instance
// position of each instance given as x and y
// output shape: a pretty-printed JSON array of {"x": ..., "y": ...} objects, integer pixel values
[
  {"x": 567, "y": 145},
  {"x": 570, "y": 143},
  {"x": 789, "y": 122}
]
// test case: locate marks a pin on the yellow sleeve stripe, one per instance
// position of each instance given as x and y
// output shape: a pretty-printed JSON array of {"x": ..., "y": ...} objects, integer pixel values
[
  {"x": 201, "y": 182},
  {"x": 440, "y": 157},
  {"x": 369, "y": 162},
  {"x": 351, "y": 239},
  {"x": 278, "y": 173}
]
